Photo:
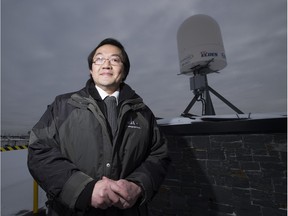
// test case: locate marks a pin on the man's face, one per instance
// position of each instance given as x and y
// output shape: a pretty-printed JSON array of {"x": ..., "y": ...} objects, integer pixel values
[{"x": 107, "y": 74}]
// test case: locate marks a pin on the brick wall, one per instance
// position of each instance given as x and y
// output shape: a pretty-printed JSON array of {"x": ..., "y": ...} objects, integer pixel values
[{"x": 225, "y": 174}]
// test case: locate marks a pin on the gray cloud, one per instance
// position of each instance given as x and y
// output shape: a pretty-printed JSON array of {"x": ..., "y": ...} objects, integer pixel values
[{"x": 45, "y": 45}]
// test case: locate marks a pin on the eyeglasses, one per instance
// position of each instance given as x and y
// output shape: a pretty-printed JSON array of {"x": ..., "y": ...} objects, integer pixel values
[{"x": 114, "y": 60}]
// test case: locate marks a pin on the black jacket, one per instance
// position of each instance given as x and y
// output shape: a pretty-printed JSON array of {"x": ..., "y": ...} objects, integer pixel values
[{"x": 71, "y": 148}]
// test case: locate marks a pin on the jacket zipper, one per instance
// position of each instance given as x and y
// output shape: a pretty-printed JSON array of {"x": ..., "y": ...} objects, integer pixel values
[{"x": 90, "y": 104}]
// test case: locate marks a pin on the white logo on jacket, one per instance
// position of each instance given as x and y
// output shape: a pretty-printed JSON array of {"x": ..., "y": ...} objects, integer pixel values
[{"x": 133, "y": 124}]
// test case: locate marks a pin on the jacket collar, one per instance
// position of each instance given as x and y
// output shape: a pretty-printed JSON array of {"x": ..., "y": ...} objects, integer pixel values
[
  {"x": 90, "y": 88},
  {"x": 126, "y": 92}
]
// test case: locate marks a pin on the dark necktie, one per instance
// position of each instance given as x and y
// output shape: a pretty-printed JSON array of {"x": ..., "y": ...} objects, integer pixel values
[{"x": 111, "y": 105}]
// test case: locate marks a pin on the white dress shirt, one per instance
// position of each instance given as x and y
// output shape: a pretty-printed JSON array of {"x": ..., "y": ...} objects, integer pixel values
[{"x": 104, "y": 94}]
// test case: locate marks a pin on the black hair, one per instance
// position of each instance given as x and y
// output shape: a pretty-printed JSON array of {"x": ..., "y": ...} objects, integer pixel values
[{"x": 116, "y": 43}]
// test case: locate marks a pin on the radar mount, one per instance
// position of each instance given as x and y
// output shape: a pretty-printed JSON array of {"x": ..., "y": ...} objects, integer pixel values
[{"x": 201, "y": 89}]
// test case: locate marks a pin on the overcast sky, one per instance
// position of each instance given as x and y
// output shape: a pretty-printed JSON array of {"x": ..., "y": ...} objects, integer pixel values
[{"x": 45, "y": 44}]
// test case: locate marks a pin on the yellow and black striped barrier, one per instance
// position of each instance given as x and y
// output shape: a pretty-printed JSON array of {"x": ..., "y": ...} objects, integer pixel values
[
  {"x": 35, "y": 185},
  {"x": 12, "y": 148}
]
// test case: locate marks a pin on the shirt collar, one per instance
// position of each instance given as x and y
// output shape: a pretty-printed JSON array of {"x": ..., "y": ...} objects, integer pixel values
[{"x": 104, "y": 94}]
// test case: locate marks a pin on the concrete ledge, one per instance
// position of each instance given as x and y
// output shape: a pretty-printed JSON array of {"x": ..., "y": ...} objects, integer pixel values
[{"x": 228, "y": 126}]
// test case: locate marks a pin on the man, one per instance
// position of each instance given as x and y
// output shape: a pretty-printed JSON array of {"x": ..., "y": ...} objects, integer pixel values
[{"x": 88, "y": 166}]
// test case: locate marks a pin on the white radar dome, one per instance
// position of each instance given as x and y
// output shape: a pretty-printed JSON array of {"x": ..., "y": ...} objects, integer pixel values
[{"x": 200, "y": 42}]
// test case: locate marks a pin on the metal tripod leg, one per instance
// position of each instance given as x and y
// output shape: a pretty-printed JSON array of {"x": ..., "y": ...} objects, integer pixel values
[
  {"x": 225, "y": 101},
  {"x": 193, "y": 101}
]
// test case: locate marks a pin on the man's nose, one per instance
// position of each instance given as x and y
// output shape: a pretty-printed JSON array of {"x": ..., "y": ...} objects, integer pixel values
[{"x": 106, "y": 64}]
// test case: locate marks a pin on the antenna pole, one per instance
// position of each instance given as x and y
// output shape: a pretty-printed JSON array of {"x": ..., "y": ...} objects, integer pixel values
[{"x": 209, "y": 109}]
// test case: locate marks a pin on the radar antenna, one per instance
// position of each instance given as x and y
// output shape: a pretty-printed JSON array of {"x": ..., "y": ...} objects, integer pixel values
[{"x": 201, "y": 52}]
